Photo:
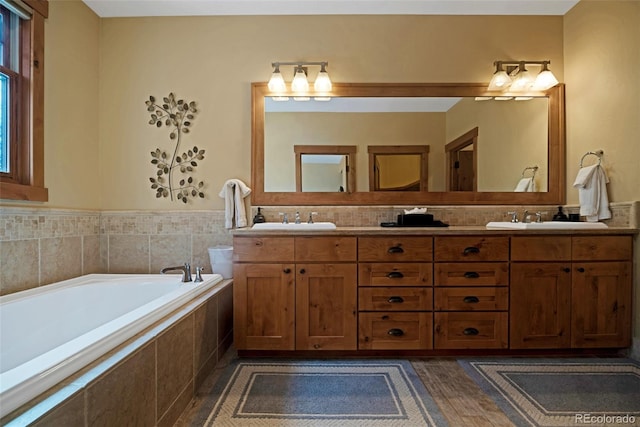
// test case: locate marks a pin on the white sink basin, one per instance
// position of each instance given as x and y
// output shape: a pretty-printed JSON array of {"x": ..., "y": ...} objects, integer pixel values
[
  {"x": 549, "y": 225},
  {"x": 303, "y": 226}
]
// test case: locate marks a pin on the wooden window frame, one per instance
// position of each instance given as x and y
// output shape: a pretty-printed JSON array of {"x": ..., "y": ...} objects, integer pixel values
[{"x": 26, "y": 179}]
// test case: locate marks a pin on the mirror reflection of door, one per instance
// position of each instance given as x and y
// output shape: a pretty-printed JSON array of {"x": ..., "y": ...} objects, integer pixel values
[
  {"x": 325, "y": 168},
  {"x": 398, "y": 167},
  {"x": 462, "y": 160}
]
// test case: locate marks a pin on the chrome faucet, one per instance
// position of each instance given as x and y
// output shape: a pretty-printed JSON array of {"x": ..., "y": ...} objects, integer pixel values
[
  {"x": 198, "y": 275},
  {"x": 285, "y": 218},
  {"x": 186, "y": 271},
  {"x": 311, "y": 214},
  {"x": 297, "y": 217},
  {"x": 514, "y": 216}
]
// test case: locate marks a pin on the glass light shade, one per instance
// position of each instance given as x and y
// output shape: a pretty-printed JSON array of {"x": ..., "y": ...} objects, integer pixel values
[
  {"x": 545, "y": 80},
  {"x": 300, "y": 83},
  {"x": 280, "y": 98},
  {"x": 500, "y": 81},
  {"x": 276, "y": 83},
  {"x": 301, "y": 98},
  {"x": 522, "y": 82},
  {"x": 322, "y": 83}
]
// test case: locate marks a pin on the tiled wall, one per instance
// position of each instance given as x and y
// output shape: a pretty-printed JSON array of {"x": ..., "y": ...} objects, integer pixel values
[{"x": 41, "y": 246}]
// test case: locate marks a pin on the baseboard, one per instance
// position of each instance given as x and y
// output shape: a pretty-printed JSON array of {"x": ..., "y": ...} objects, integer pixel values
[{"x": 634, "y": 351}]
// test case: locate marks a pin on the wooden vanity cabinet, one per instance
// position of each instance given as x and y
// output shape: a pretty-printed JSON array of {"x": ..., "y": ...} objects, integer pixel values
[
  {"x": 471, "y": 286},
  {"x": 570, "y": 291},
  {"x": 295, "y": 293},
  {"x": 395, "y": 293}
]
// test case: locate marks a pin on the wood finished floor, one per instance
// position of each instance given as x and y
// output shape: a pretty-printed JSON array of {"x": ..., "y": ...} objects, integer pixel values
[{"x": 459, "y": 398}]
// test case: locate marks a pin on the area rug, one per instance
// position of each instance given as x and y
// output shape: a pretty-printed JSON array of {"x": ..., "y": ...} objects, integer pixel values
[
  {"x": 321, "y": 393},
  {"x": 561, "y": 392}
]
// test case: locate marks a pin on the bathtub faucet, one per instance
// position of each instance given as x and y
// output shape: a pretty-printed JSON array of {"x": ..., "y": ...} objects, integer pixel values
[{"x": 186, "y": 271}]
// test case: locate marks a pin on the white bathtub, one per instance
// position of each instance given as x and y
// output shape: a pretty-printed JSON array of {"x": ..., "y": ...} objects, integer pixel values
[{"x": 51, "y": 332}]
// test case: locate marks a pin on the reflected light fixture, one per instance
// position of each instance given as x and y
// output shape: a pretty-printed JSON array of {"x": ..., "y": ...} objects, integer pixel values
[
  {"x": 516, "y": 77},
  {"x": 300, "y": 84}
]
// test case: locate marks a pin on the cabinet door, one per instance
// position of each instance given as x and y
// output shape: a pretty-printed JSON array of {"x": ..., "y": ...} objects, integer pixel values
[
  {"x": 263, "y": 306},
  {"x": 540, "y": 312},
  {"x": 601, "y": 307},
  {"x": 326, "y": 301}
]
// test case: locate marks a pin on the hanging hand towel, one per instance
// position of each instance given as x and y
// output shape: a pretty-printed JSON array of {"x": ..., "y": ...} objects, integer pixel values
[
  {"x": 233, "y": 192},
  {"x": 591, "y": 183},
  {"x": 525, "y": 185}
]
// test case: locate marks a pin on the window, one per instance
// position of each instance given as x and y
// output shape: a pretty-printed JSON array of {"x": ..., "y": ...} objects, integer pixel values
[{"x": 21, "y": 99}]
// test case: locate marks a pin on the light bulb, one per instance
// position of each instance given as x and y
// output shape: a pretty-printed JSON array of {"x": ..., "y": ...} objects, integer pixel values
[
  {"x": 300, "y": 83},
  {"x": 276, "y": 82},
  {"x": 545, "y": 80},
  {"x": 323, "y": 82}
]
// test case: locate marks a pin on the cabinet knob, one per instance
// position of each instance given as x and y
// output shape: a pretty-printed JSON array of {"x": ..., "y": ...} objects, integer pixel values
[
  {"x": 471, "y": 250},
  {"x": 395, "y": 275},
  {"x": 471, "y": 331},
  {"x": 396, "y": 332},
  {"x": 395, "y": 300},
  {"x": 581, "y": 270},
  {"x": 471, "y": 300},
  {"x": 302, "y": 271},
  {"x": 395, "y": 250},
  {"x": 566, "y": 270},
  {"x": 287, "y": 270},
  {"x": 471, "y": 275}
]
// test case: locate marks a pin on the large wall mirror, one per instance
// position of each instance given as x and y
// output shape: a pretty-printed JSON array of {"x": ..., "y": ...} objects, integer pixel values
[{"x": 509, "y": 136}]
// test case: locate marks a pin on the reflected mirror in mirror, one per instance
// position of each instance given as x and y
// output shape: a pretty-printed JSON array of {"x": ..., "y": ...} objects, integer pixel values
[
  {"x": 322, "y": 168},
  {"x": 510, "y": 136}
]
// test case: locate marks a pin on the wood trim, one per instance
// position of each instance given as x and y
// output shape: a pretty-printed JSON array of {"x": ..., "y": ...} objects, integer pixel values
[
  {"x": 422, "y": 150},
  {"x": 456, "y": 145},
  {"x": 40, "y": 6},
  {"x": 556, "y": 153}
]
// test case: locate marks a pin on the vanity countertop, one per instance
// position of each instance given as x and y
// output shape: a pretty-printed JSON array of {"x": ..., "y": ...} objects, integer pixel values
[{"x": 456, "y": 230}]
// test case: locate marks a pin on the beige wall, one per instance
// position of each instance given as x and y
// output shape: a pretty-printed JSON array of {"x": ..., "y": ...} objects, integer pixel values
[
  {"x": 72, "y": 46},
  {"x": 213, "y": 60},
  {"x": 602, "y": 59}
]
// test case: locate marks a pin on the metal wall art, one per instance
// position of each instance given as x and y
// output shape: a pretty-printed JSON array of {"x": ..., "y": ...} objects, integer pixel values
[{"x": 178, "y": 116}]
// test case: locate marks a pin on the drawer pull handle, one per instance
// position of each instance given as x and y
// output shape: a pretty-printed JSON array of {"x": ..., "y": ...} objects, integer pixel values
[
  {"x": 566, "y": 270},
  {"x": 287, "y": 270},
  {"x": 302, "y": 271},
  {"x": 581, "y": 270},
  {"x": 471, "y": 250},
  {"x": 471, "y": 300},
  {"x": 471, "y": 331},
  {"x": 395, "y": 275},
  {"x": 395, "y": 332},
  {"x": 395, "y": 250},
  {"x": 471, "y": 275},
  {"x": 395, "y": 300}
]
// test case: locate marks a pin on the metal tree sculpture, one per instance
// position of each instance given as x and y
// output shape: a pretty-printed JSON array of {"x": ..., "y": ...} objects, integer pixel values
[{"x": 178, "y": 115}]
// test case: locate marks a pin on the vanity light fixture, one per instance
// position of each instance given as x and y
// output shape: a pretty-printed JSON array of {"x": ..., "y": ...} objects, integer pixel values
[
  {"x": 518, "y": 79},
  {"x": 300, "y": 85}
]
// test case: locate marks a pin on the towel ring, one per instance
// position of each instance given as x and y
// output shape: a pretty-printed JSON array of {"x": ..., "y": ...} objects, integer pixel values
[
  {"x": 598, "y": 154},
  {"x": 533, "y": 170}
]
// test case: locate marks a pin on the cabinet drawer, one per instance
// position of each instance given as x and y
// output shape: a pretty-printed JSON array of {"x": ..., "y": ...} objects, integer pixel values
[
  {"x": 470, "y": 330},
  {"x": 395, "y": 299},
  {"x": 472, "y": 248},
  {"x": 471, "y": 299},
  {"x": 601, "y": 248},
  {"x": 395, "y": 274},
  {"x": 263, "y": 249},
  {"x": 395, "y": 331},
  {"x": 321, "y": 248},
  {"x": 472, "y": 274},
  {"x": 392, "y": 249},
  {"x": 541, "y": 248}
]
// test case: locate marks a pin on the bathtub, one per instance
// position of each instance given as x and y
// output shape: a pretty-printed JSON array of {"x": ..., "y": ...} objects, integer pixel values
[{"x": 51, "y": 332}]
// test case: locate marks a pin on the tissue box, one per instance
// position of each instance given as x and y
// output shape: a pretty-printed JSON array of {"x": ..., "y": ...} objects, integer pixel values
[{"x": 414, "y": 220}]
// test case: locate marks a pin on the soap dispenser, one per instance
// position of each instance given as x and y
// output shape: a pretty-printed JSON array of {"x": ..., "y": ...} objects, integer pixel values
[
  {"x": 560, "y": 216},
  {"x": 259, "y": 217}
]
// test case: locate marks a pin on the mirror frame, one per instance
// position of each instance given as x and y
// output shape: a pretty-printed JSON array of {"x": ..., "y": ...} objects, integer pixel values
[{"x": 555, "y": 153}]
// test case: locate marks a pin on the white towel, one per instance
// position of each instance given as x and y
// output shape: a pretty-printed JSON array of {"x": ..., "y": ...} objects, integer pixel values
[
  {"x": 233, "y": 192},
  {"x": 525, "y": 184},
  {"x": 591, "y": 183}
]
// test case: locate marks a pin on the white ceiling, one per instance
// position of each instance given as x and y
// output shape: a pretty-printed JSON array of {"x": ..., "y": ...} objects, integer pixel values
[{"x": 131, "y": 8}]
